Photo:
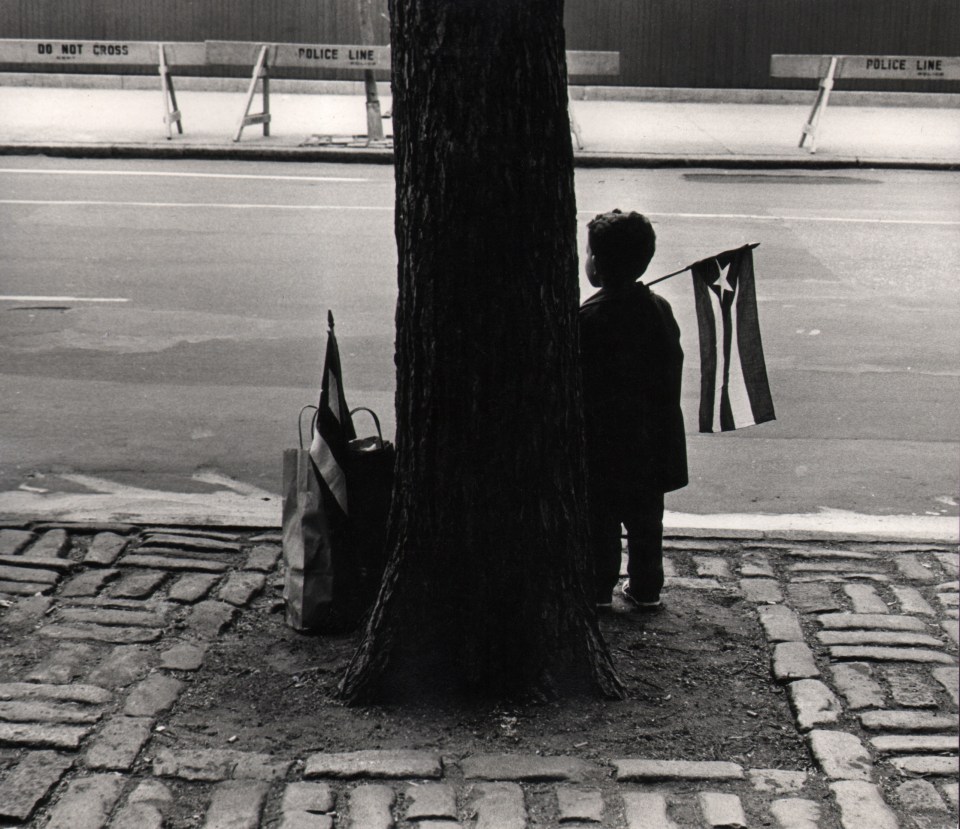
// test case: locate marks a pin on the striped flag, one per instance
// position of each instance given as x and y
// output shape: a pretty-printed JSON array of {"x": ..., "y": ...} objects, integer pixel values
[
  {"x": 334, "y": 425},
  {"x": 734, "y": 391}
]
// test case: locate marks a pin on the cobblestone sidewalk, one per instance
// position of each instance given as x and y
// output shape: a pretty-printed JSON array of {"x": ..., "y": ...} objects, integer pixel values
[{"x": 112, "y": 621}]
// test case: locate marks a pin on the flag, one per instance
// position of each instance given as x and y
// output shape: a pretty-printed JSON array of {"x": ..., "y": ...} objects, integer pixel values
[
  {"x": 734, "y": 391},
  {"x": 328, "y": 449}
]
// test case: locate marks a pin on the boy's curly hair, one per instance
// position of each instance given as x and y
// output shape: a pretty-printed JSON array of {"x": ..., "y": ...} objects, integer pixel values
[{"x": 622, "y": 245}]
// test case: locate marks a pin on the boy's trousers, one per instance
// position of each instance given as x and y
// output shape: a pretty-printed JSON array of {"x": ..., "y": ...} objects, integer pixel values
[{"x": 641, "y": 514}]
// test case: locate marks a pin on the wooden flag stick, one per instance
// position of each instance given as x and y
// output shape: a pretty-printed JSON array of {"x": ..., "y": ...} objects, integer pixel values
[{"x": 684, "y": 270}]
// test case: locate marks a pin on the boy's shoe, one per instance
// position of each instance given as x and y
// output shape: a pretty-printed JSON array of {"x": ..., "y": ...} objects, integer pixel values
[{"x": 637, "y": 602}]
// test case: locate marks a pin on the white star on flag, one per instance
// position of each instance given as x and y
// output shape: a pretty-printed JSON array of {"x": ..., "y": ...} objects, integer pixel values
[{"x": 723, "y": 284}]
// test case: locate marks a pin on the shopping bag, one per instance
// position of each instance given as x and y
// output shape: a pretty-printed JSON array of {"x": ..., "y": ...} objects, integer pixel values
[
  {"x": 369, "y": 476},
  {"x": 321, "y": 589},
  {"x": 334, "y": 564},
  {"x": 307, "y": 586}
]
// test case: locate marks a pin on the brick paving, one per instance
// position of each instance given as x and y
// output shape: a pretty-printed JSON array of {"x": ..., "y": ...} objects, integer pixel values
[{"x": 117, "y": 619}]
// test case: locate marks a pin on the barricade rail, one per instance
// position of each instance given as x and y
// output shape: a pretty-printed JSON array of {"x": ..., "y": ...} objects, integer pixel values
[
  {"x": 76, "y": 55},
  {"x": 829, "y": 68},
  {"x": 57, "y": 55}
]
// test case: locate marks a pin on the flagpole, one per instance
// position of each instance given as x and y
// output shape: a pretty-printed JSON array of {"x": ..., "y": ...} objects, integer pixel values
[
  {"x": 668, "y": 276},
  {"x": 684, "y": 270}
]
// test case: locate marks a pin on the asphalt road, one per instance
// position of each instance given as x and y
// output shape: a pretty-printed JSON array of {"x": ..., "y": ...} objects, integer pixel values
[{"x": 161, "y": 321}]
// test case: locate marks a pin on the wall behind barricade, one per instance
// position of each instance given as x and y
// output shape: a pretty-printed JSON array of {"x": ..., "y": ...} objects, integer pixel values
[
  {"x": 728, "y": 43},
  {"x": 662, "y": 43}
]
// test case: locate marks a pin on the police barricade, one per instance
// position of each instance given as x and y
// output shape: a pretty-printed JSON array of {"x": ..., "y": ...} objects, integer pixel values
[
  {"x": 67, "y": 55},
  {"x": 590, "y": 64},
  {"x": 78, "y": 55},
  {"x": 264, "y": 56},
  {"x": 829, "y": 68}
]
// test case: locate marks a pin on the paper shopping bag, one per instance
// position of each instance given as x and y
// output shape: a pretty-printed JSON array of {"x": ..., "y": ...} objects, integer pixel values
[{"x": 307, "y": 544}]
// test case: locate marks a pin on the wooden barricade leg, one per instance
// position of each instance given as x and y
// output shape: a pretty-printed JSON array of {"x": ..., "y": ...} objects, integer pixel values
[
  {"x": 171, "y": 112},
  {"x": 367, "y": 38},
  {"x": 259, "y": 73},
  {"x": 266, "y": 103},
  {"x": 575, "y": 126},
  {"x": 823, "y": 95}
]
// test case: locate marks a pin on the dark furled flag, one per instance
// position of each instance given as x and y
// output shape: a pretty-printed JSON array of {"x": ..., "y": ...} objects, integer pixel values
[
  {"x": 734, "y": 391},
  {"x": 334, "y": 425}
]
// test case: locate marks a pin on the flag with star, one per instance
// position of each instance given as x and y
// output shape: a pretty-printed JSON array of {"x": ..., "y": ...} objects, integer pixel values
[
  {"x": 334, "y": 425},
  {"x": 734, "y": 391}
]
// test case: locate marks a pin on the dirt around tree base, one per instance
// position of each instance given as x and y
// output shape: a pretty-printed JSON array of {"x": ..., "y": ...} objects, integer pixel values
[{"x": 697, "y": 674}]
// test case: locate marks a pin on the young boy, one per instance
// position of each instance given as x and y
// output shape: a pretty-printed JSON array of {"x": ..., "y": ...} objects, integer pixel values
[{"x": 636, "y": 446}]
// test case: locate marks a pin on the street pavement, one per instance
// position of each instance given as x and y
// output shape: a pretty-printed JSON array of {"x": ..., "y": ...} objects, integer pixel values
[
  {"x": 111, "y": 624},
  {"x": 114, "y": 621},
  {"x": 177, "y": 308},
  {"x": 129, "y": 123}
]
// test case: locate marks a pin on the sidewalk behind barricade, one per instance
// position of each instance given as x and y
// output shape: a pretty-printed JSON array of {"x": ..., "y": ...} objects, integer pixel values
[{"x": 129, "y": 122}]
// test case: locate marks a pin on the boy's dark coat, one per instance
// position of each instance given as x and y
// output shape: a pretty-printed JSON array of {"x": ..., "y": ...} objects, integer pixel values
[{"x": 632, "y": 364}]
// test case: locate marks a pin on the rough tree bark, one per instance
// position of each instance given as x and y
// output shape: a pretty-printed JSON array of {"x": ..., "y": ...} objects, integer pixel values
[{"x": 484, "y": 591}]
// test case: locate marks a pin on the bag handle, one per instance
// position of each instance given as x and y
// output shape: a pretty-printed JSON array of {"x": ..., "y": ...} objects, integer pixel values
[
  {"x": 376, "y": 420},
  {"x": 316, "y": 412},
  {"x": 313, "y": 422}
]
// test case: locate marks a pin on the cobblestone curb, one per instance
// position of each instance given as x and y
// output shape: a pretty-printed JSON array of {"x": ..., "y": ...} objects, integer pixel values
[{"x": 862, "y": 636}]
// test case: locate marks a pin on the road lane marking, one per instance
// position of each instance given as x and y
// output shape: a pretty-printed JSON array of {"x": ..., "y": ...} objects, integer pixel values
[
  {"x": 17, "y": 298},
  {"x": 385, "y": 208},
  {"x": 170, "y": 174},
  {"x": 788, "y": 218},
  {"x": 848, "y": 219},
  {"x": 207, "y": 205}
]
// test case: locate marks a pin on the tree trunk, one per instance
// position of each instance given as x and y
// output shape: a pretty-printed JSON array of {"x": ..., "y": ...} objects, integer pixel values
[
  {"x": 374, "y": 119},
  {"x": 485, "y": 590}
]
